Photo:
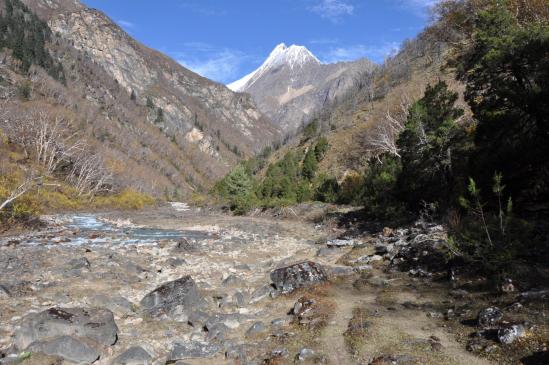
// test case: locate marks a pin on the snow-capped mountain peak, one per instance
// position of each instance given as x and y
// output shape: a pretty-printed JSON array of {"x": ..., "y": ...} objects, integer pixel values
[{"x": 294, "y": 56}]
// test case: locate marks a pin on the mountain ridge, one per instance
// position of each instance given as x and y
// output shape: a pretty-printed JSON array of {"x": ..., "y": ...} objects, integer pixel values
[{"x": 292, "y": 84}]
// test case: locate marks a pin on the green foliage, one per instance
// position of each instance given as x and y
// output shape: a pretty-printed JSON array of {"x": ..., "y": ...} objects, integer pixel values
[
  {"x": 491, "y": 239},
  {"x": 322, "y": 146},
  {"x": 26, "y": 35},
  {"x": 327, "y": 189},
  {"x": 310, "y": 164},
  {"x": 507, "y": 72},
  {"x": 238, "y": 188},
  {"x": 431, "y": 146},
  {"x": 380, "y": 183}
]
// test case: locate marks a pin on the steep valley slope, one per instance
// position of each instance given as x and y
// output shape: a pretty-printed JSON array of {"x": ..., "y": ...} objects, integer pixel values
[{"x": 162, "y": 129}]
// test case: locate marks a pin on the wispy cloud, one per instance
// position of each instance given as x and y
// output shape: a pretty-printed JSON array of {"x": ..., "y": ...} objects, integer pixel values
[
  {"x": 333, "y": 10},
  {"x": 126, "y": 23},
  {"x": 357, "y": 51},
  {"x": 219, "y": 64}
]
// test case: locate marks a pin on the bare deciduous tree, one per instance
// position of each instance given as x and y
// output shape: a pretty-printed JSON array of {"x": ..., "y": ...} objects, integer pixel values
[
  {"x": 30, "y": 183},
  {"x": 384, "y": 136},
  {"x": 88, "y": 173}
]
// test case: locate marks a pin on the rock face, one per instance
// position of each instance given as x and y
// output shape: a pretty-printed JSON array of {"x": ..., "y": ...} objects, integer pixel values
[
  {"x": 292, "y": 84},
  {"x": 289, "y": 278},
  {"x": 95, "y": 324},
  {"x": 173, "y": 299}
]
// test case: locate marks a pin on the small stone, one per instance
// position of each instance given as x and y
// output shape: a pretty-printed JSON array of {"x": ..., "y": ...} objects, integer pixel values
[
  {"x": 280, "y": 353},
  {"x": 489, "y": 317},
  {"x": 256, "y": 328},
  {"x": 305, "y": 354}
]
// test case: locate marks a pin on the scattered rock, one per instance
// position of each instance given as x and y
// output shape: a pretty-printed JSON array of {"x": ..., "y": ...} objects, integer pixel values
[
  {"x": 340, "y": 243},
  {"x": 185, "y": 246},
  {"x": 176, "y": 262},
  {"x": 68, "y": 348},
  {"x": 135, "y": 355},
  {"x": 79, "y": 263},
  {"x": 261, "y": 293},
  {"x": 174, "y": 299},
  {"x": 4, "y": 292},
  {"x": 232, "y": 280},
  {"x": 279, "y": 353},
  {"x": 508, "y": 334},
  {"x": 304, "y": 354},
  {"x": 193, "y": 350},
  {"x": 95, "y": 324},
  {"x": 489, "y": 317},
  {"x": 289, "y": 278},
  {"x": 394, "y": 360},
  {"x": 256, "y": 328},
  {"x": 388, "y": 232}
]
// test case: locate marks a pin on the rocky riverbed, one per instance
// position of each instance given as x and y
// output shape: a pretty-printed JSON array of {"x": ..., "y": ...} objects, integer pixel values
[{"x": 184, "y": 286}]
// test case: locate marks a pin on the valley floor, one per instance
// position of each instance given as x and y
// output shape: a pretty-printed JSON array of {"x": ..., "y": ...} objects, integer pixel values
[{"x": 367, "y": 312}]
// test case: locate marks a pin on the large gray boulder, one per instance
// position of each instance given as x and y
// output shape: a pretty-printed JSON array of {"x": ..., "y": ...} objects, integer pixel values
[
  {"x": 287, "y": 279},
  {"x": 174, "y": 299},
  {"x": 96, "y": 324},
  {"x": 68, "y": 348}
]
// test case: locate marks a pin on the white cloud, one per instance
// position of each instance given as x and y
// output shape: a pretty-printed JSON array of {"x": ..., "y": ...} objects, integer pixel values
[
  {"x": 357, "y": 51},
  {"x": 126, "y": 23},
  {"x": 219, "y": 64},
  {"x": 333, "y": 10}
]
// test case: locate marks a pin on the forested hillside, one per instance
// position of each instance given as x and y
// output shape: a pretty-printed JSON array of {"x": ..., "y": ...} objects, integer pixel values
[{"x": 454, "y": 127}]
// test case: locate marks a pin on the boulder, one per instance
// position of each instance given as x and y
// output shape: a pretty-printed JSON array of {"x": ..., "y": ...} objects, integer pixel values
[
  {"x": 508, "y": 334},
  {"x": 173, "y": 299},
  {"x": 96, "y": 324},
  {"x": 192, "y": 350},
  {"x": 489, "y": 317},
  {"x": 287, "y": 279},
  {"x": 68, "y": 348},
  {"x": 135, "y": 355}
]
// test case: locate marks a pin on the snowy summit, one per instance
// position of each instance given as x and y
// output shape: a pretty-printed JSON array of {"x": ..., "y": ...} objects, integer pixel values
[{"x": 294, "y": 56}]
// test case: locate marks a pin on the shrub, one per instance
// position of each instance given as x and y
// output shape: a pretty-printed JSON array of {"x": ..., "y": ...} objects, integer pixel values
[
  {"x": 327, "y": 189},
  {"x": 491, "y": 240}
]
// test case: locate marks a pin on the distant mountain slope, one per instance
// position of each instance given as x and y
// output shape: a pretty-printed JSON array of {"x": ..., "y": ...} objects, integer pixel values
[
  {"x": 163, "y": 127},
  {"x": 292, "y": 84}
]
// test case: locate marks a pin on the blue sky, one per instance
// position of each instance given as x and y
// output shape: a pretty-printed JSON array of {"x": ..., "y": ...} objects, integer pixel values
[{"x": 226, "y": 39}]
